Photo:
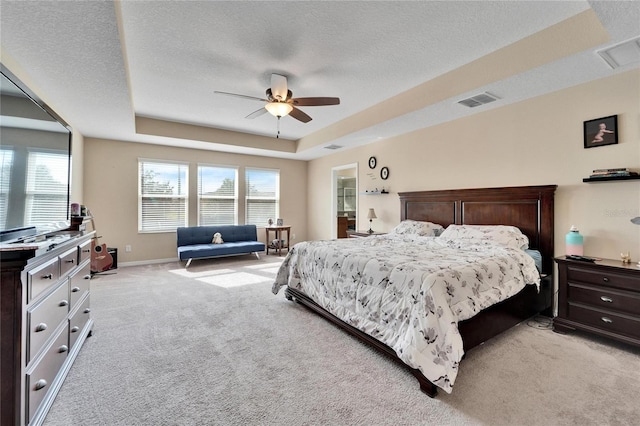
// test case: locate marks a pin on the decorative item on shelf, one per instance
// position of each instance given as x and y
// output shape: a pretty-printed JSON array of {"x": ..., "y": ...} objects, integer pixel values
[
  {"x": 75, "y": 209},
  {"x": 371, "y": 215},
  {"x": 609, "y": 173},
  {"x": 280, "y": 222},
  {"x": 270, "y": 222},
  {"x": 372, "y": 162},
  {"x": 574, "y": 242},
  {"x": 626, "y": 258},
  {"x": 601, "y": 131},
  {"x": 384, "y": 173}
]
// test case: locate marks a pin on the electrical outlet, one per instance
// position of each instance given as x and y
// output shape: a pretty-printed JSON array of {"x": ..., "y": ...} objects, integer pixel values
[{"x": 127, "y": 248}]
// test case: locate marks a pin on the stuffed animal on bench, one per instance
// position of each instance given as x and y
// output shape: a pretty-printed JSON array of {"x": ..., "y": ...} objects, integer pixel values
[{"x": 217, "y": 238}]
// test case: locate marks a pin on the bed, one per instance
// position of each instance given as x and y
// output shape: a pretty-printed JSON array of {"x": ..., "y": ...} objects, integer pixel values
[{"x": 420, "y": 331}]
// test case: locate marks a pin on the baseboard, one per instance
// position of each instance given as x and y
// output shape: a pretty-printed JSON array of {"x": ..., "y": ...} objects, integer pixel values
[{"x": 147, "y": 262}]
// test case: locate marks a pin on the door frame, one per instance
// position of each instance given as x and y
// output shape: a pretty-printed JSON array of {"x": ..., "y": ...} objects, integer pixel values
[{"x": 335, "y": 173}]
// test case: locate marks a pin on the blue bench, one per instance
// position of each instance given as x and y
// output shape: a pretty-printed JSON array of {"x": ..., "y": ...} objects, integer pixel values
[{"x": 195, "y": 242}]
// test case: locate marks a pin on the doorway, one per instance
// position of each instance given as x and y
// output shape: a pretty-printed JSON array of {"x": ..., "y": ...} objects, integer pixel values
[{"x": 344, "y": 195}]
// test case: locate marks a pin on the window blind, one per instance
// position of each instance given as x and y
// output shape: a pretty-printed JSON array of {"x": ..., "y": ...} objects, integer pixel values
[
  {"x": 46, "y": 189},
  {"x": 6, "y": 164},
  {"x": 162, "y": 196},
  {"x": 217, "y": 195},
  {"x": 262, "y": 195}
]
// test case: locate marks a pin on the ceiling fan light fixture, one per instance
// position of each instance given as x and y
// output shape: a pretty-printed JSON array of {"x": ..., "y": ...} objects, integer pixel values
[{"x": 279, "y": 109}]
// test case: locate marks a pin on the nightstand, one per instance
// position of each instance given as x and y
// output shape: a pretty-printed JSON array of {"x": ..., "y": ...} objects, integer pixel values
[
  {"x": 602, "y": 298},
  {"x": 361, "y": 234}
]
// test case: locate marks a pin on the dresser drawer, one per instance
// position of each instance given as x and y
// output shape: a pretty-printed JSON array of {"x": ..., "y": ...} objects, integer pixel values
[
  {"x": 606, "y": 320},
  {"x": 84, "y": 252},
  {"x": 41, "y": 378},
  {"x": 603, "y": 278},
  {"x": 606, "y": 298},
  {"x": 79, "y": 285},
  {"x": 78, "y": 321},
  {"x": 68, "y": 261},
  {"x": 42, "y": 277},
  {"x": 45, "y": 317}
]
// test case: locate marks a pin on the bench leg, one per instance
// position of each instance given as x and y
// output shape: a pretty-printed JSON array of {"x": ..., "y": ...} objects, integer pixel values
[
  {"x": 188, "y": 263},
  {"x": 256, "y": 253}
]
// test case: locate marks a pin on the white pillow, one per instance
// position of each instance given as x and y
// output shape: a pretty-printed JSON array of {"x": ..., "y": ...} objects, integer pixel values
[
  {"x": 414, "y": 227},
  {"x": 509, "y": 236}
]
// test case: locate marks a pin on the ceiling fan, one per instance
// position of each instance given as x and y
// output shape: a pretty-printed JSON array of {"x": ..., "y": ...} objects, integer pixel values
[{"x": 280, "y": 101}]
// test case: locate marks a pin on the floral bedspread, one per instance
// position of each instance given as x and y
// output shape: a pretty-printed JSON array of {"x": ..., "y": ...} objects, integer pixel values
[{"x": 408, "y": 292}]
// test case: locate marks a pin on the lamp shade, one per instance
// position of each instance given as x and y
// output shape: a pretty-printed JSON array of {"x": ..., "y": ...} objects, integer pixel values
[
  {"x": 279, "y": 109},
  {"x": 372, "y": 214}
]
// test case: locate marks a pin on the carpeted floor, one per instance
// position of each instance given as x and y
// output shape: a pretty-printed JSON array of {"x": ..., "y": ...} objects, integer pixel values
[{"x": 213, "y": 346}]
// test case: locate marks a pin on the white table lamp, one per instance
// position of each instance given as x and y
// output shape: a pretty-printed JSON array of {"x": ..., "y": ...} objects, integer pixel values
[{"x": 371, "y": 215}]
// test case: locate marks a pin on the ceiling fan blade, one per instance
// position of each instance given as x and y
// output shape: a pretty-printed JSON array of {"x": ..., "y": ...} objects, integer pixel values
[
  {"x": 315, "y": 101},
  {"x": 257, "y": 113},
  {"x": 235, "y": 95},
  {"x": 279, "y": 86},
  {"x": 299, "y": 115}
]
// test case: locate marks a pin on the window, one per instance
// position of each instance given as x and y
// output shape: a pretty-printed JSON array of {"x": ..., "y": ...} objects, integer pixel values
[
  {"x": 262, "y": 195},
  {"x": 162, "y": 195},
  {"x": 46, "y": 187},
  {"x": 217, "y": 195},
  {"x": 6, "y": 163}
]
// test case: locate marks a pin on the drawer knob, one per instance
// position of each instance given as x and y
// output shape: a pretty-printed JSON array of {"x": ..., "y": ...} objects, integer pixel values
[
  {"x": 47, "y": 277},
  {"x": 41, "y": 327},
  {"x": 86, "y": 250},
  {"x": 40, "y": 384},
  {"x": 70, "y": 261},
  {"x": 75, "y": 329},
  {"x": 64, "y": 303},
  {"x": 607, "y": 320},
  {"x": 62, "y": 349},
  {"x": 606, "y": 299},
  {"x": 86, "y": 311},
  {"x": 75, "y": 289},
  {"x": 605, "y": 279},
  {"x": 87, "y": 277}
]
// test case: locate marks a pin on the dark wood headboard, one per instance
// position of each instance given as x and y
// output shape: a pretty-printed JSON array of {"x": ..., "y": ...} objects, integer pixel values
[{"x": 530, "y": 208}]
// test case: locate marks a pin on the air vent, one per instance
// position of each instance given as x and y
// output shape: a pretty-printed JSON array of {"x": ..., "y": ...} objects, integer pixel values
[
  {"x": 332, "y": 147},
  {"x": 622, "y": 54},
  {"x": 477, "y": 100}
]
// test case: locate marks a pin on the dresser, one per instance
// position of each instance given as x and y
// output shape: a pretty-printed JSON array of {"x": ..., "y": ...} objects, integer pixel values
[
  {"x": 45, "y": 310},
  {"x": 601, "y": 298}
]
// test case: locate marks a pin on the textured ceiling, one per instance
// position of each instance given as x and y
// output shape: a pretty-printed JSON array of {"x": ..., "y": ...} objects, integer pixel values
[{"x": 146, "y": 71}]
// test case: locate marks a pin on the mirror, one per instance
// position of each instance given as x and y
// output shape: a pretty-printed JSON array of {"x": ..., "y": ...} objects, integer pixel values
[{"x": 35, "y": 162}]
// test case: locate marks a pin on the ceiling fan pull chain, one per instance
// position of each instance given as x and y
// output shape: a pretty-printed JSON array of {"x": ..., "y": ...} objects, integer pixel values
[{"x": 278, "y": 135}]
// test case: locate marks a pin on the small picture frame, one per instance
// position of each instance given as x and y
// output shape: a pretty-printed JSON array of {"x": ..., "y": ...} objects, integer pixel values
[
  {"x": 601, "y": 131},
  {"x": 280, "y": 222}
]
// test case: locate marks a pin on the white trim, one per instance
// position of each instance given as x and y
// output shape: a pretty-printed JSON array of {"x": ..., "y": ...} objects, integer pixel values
[{"x": 147, "y": 262}]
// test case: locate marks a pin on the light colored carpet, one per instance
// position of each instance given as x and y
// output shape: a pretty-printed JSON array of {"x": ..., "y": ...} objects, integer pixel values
[{"x": 213, "y": 346}]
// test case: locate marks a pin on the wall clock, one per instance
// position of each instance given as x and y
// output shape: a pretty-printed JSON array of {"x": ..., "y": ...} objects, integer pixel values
[
  {"x": 372, "y": 162},
  {"x": 384, "y": 173}
]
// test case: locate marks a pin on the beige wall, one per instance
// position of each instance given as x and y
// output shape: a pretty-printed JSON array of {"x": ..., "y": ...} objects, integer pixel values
[
  {"x": 534, "y": 142},
  {"x": 111, "y": 193}
]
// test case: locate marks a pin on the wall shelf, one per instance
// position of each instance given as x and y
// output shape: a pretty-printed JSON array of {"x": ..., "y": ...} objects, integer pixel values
[
  {"x": 374, "y": 193},
  {"x": 609, "y": 179}
]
